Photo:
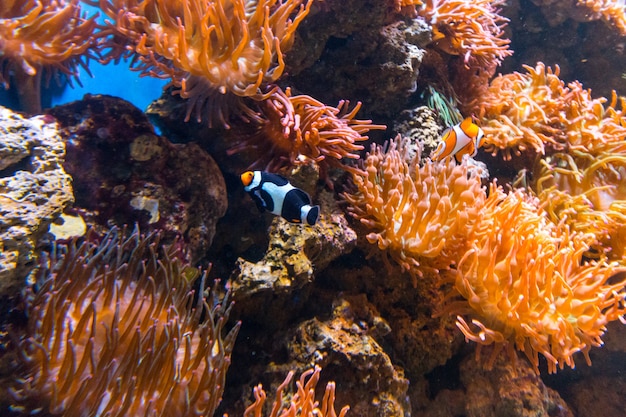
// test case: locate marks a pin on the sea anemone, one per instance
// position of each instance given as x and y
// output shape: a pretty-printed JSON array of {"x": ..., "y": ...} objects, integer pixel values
[
  {"x": 525, "y": 283},
  {"x": 588, "y": 193},
  {"x": 302, "y": 402},
  {"x": 536, "y": 111},
  {"x": 37, "y": 35},
  {"x": 207, "y": 48},
  {"x": 420, "y": 215},
  {"x": 471, "y": 29},
  {"x": 117, "y": 330},
  {"x": 292, "y": 129}
]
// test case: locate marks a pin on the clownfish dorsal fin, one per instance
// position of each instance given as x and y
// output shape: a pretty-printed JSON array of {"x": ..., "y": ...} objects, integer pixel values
[{"x": 468, "y": 127}]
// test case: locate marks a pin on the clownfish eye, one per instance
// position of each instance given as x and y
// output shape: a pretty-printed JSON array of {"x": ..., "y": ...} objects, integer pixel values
[{"x": 246, "y": 178}]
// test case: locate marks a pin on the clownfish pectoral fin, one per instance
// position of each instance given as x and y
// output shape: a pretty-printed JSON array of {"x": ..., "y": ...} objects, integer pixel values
[
  {"x": 266, "y": 199},
  {"x": 260, "y": 204},
  {"x": 436, "y": 156},
  {"x": 480, "y": 140}
]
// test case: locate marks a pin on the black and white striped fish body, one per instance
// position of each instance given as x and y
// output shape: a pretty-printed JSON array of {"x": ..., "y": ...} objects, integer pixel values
[{"x": 275, "y": 194}]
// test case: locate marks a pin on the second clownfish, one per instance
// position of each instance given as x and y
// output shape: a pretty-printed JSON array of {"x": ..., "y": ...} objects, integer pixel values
[
  {"x": 460, "y": 139},
  {"x": 275, "y": 194}
]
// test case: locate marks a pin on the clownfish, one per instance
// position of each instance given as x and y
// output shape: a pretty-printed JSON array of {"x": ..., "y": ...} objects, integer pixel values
[
  {"x": 460, "y": 139},
  {"x": 275, "y": 194}
]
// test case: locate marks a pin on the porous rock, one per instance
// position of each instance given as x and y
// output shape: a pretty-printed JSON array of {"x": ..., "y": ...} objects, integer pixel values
[
  {"x": 511, "y": 388},
  {"x": 34, "y": 190},
  {"x": 294, "y": 255},
  {"x": 346, "y": 348},
  {"x": 125, "y": 173}
]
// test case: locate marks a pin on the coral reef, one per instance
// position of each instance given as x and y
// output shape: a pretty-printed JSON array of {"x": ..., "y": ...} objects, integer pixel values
[
  {"x": 125, "y": 173},
  {"x": 34, "y": 191},
  {"x": 42, "y": 35},
  {"x": 293, "y": 254},
  {"x": 419, "y": 129},
  {"x": 428, "y": 254},
  {"x": 512, "y": 388},
  {"x": 367, "y": 59},
  {"x": 115, "y": 326}
]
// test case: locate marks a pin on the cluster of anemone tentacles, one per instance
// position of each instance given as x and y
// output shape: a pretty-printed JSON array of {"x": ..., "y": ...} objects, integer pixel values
[
  {"x": 519, "y": 280},
  {"x": 117, "y": 329}
]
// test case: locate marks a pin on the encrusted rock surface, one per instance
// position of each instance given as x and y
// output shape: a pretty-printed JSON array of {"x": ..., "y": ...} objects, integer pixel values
[
  {"x": 34, "y": 190},
  {"x": 511, "y": 388},
  {"x": 346, "y": 349},
  {"x": 345, "y": 343},
  {"x": 377, "y": 65},
  {"x": 419, "y": 127},
  {"x": 294, "y": 255},
  {"x": 124, "y": 173}
]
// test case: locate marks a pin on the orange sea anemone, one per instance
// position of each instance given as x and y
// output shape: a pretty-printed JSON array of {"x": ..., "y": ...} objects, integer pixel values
[
  {"x": 588, "y": 192},
  {"x": 472, "y": 29},
  {"x": 207, "y": 47},
  {"x": 117, "y": 330},
  {"x": 536, "y": 111},
  {"x": 610, "y": 11},
  {"x": 407, "y": 7},
  {"x": 302, "y": 402},
  {"x": 524, "y": 283},
  {"x": 37, "y": 35},
  {"x": 293, "y": 129},
  {"x": 521, "y": 111},
  {"x": 419, "y": 215}
]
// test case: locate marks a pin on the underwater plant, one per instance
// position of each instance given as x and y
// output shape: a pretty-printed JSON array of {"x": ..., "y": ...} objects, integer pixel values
[
  {"x": 445, "y": 107},
  {"x": 118, "y": 330}
]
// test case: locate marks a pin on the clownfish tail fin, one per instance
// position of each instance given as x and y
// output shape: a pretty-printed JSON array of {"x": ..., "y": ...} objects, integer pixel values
[{"x": 313, "y": 215}]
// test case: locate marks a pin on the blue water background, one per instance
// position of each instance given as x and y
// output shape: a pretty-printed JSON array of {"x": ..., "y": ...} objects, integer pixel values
[{"x": 112, "y": 79}]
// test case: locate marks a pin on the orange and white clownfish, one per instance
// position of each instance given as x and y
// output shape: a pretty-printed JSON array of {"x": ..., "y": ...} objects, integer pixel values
[
  {"x": 460, "y": 139},
  {"x": 275, "y": 194}
]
